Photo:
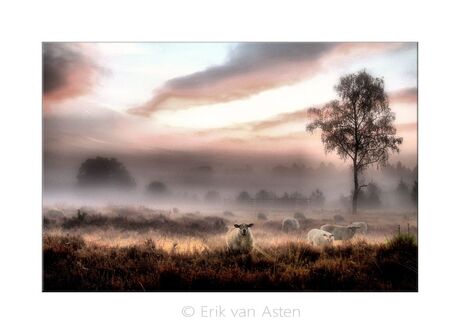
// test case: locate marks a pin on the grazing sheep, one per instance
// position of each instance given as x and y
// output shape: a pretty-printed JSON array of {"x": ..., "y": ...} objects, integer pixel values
[
  {"x": 319, "y": 237},
  {"x": 339, "y": 218},
  {"x": 362, "y": 227},
  {"x": 340, "y": 232},
  {"x": 290, "y": 224},
  {"x": 240, "y": 238}
]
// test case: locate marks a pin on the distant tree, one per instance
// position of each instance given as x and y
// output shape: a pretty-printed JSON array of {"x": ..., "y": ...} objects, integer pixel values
[
  {"x": 317, "y": 198},
  {"x": 372, "y": 194},
  {"x": 285, "y": 198},
  {"x": 414, "y": 193},
  {"x": 157, "y": 188},
  {"x": 359, "y": 126},
  {"x": 345, "y": 200},
  {"x": 263, "y": 195},
  {"x": 403, "y": 193},
  {"x": 212, "y": 196},
  {"x": 243, "y": 197},
  {"x": 104, "y": 172},
  {"x": 402, "y": 189}
]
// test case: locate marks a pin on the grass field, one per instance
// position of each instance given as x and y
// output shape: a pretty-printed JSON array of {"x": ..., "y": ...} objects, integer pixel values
[{"x": 138, "y": 249}]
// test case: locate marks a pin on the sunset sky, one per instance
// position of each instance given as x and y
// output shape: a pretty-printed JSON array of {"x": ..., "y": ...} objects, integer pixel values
[{"x": 138, "y": 98}]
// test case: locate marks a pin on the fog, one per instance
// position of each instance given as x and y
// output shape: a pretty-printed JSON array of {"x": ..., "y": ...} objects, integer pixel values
[{"x": 200, "y": 180}]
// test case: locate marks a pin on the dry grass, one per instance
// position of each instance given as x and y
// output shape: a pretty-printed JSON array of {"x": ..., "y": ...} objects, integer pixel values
[
  {"x": 137, "y": 249},
  {"x": 71, "y": 264}
]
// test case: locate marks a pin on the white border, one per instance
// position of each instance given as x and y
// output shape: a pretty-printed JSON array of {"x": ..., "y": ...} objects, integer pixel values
[{"x": 24, "y": 25}]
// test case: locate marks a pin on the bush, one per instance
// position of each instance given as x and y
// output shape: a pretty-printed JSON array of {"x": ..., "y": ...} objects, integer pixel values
[
  {"x": 104, "y": 172},
  {"x": 398, "y": 261},
  {"x": 261, "y": 216},
  {"x": 157, "y": 188}
]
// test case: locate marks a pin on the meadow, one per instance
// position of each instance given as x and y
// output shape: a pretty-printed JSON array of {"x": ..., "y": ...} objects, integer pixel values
[{"x": 117, "y": 248}]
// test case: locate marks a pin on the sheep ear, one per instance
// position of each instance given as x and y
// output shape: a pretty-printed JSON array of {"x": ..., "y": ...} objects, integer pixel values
[
  {"x": 250, "y": 225},
  {"x": 236, "y": 225}
]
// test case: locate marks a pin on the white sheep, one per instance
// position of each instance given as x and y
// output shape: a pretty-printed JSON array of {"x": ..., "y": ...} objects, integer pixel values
[
  {"x": 362, "y": 227},
  {"x": 240, "y": 238},
  {"x": 319, "y": 237},
  {"x": 340, "y": 232},
  {"x": 290, "y": 224}
]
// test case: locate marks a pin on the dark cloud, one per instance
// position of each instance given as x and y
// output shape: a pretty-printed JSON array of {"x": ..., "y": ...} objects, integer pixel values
[
  {"x": 68, "y": 71},
  {"x": 250, "y": 57},
  {"x": 250, "y": 68}
]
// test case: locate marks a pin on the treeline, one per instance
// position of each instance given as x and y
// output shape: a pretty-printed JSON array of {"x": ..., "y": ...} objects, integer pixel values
[{"x": 371, "y": 196}]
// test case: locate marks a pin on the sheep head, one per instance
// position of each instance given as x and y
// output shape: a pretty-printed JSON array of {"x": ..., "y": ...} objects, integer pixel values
[{"x": 244, "y": 228}]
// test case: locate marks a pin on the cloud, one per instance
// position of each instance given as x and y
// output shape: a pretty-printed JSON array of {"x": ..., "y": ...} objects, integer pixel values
[
  {"x": 407, "y": 95},
  {"x": 68, "y": 71},
  {"x": 290, "y": 117},
  {"x": 250, "y": 69},
  {"x": 298, "y": 116}
]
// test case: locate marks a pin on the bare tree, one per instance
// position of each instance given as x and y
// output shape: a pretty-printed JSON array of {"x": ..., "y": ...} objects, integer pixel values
[{"x": 358, "y": 126}]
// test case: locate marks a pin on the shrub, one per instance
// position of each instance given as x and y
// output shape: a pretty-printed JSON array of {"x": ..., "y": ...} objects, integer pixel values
[
  {"x": 157, "y": 188},
  {"x": 261, "y": 216}
]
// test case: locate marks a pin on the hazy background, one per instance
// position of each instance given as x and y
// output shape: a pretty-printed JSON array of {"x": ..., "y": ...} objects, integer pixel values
[{"x": 201, "y": 117}]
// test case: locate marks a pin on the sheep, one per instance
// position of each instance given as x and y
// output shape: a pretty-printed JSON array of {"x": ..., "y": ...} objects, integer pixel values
[
  {"x": 290, "y": 224},
  {"x": 319, "y": 237},
  {"x": 340, "y": 232},
  {"x": 362, "y": 227},
  {"x": 240, "y": 238}
]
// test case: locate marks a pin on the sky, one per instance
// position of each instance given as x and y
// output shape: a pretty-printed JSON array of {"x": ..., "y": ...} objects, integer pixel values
[{"x": 231, "y": 98}]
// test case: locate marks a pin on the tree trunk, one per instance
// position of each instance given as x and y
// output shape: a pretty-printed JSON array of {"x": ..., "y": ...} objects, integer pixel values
[{"x": 356, "y": 190}]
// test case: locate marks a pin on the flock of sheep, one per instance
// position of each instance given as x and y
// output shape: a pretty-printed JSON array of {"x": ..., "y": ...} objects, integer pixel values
[{"x": 241, "y": 239}]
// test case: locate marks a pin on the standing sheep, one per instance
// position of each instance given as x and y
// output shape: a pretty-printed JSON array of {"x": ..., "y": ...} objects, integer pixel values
[
  {"x": 240, "y": 238},
  {"x": 362, "y": 227},
  {"x": 340, "y": 232},
  {"x": 290, "y": 224},
  {"x": 319, "y": 237}
]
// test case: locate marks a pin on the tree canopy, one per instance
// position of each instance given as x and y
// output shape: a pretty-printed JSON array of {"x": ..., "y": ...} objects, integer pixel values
[
  {"x": 359, "y": 125},
  {"x": 104, "y": 172}
]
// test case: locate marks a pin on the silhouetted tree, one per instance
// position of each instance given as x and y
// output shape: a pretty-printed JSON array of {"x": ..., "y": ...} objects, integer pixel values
[
  {"x": 402, "y": 189},
  {"x": 157, "y": 188},
  {"x": 403, "y": 193},
  {"x": 372, "y": 194},
  {"x": 263, "y": 195},
  {"x": 359, "y": 126},
  {"x": 243, "y": 197},
  {"x": 104, "y": 172}
]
